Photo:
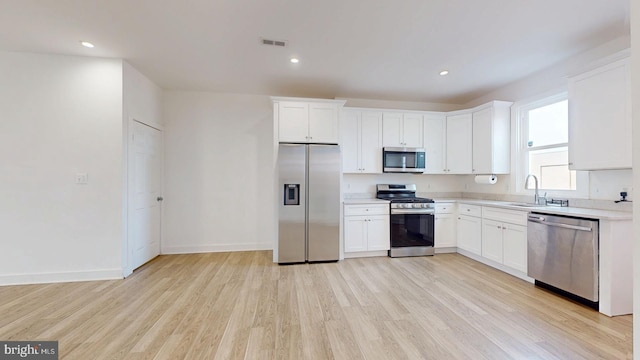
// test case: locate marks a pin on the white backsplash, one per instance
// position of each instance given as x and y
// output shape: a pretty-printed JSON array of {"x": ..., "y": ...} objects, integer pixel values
[{"x": 604, "y": 188}]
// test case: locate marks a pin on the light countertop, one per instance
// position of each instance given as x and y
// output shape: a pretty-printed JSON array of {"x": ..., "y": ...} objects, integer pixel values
[
  {"x": 552, "y": 210},
  {"x": 364, "y": 201}
]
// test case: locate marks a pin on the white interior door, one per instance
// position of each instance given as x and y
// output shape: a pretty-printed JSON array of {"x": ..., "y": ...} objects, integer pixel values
[{"x": 146, "y": 159}]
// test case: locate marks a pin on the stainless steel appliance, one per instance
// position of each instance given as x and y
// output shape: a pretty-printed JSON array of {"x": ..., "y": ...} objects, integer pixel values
[
  {"x": 403, "y": 160},
  {"x": 563, "y": 253},
  {"x": 412, "y": 220},
  {"x": 309, "y": 212}
]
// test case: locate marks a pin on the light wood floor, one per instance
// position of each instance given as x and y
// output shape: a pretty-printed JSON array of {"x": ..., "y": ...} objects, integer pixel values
[{"x": 241, "y": 305}]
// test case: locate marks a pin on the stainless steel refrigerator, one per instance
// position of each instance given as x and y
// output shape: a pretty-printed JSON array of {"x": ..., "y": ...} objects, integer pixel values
[{"x": 309, "y": 211}]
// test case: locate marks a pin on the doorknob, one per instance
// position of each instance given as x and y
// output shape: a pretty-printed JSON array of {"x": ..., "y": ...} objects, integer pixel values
[{"x": 159, "y": 198}]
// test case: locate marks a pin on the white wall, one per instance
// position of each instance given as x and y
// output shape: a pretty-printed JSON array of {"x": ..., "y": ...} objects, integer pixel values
[
  {"x": 603, "y": 185},
  {"x": 426, "y": 184},
  {"x": 219, "y": 174},
  {"x": 401, "y": 105},
  {"x": 142, "y": 101},
  {"x": 635, "y": 91},
  {"x": 554, "y": 77},
  {"x": 59, "y": 116}
]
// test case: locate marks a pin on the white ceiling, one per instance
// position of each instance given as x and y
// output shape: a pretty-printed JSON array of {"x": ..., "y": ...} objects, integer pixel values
[{"x": 371, "y": 49}]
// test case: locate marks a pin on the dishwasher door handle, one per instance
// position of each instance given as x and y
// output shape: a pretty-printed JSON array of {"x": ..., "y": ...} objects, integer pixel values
[{"x": 541, "y": 220}]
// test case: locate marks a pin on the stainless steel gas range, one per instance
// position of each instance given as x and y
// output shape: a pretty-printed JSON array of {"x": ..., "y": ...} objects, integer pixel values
[{"x": 412, "y": 220}]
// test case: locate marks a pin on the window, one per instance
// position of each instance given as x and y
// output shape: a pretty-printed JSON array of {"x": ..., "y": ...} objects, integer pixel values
[{"x": 544, "y": 146}]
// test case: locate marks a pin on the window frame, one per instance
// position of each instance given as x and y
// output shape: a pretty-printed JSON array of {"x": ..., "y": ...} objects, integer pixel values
[{"x": 521, "y": 160}]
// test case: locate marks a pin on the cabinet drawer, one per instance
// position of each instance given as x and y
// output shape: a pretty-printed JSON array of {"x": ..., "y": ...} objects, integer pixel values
[
  {"x": 471, "y": 210},
  {"x": 446, "y": 208},
  {"x": 508, "y": 216},
  {"x": 366, "y": 209}
]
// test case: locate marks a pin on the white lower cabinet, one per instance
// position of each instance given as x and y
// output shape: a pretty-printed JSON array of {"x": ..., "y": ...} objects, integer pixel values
[
  {"x": 514, "y": 247},
  {"x": 445, "y": 226},
  {"x": 469, "y": 234},
  {"x": 366, "y": 228},
  {"x": 492, "y": 240},
  {"x": 504, "y": 237}
]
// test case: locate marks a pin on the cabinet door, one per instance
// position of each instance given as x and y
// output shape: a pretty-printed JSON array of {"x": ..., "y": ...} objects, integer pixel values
[
  {"x": 323, "y": 123},
  {"x": 600, "y": 118},
  {"x": 355, "y": 233},
  {"x": 351, "y": 142},
  {"x": 445, "y": 231},
  {"x": 371, "y": 143},
  {"x": 469, "y": 234},
  {"x": 482, "y": 142},
  {"x": 378, "y": 233},
  {"x": 392, "y": 130},
  {"x": 515, "y": 247},
  {"x": 459, "y": 144},
  {"x": 492, "y": 240},
  {"x": 412, "y": 130},
  {"x": 293, "y": 121},
  {"x": 435, "y": 131}
]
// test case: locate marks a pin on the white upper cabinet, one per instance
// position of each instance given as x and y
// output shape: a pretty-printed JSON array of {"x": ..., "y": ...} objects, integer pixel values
[
  {"x": 401, "y": 129},
  {"x": 307, "y": 121},
  {"x": 600, "y": 118},
  {"x": 435, "y": 132},
  {"x": 361, "y": 141},
  {"x": 491, "y": 138},
  {"x": 459, "y": 144}
]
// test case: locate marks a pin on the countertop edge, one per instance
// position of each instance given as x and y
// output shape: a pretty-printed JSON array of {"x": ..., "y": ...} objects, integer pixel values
[{"x": 609, "y": 215}]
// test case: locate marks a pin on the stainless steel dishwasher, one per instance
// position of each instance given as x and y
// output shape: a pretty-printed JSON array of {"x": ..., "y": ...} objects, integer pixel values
[{"x": 563, "y": 252}]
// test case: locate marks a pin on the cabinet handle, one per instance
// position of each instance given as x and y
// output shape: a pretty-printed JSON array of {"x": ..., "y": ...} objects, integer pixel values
[
  {"x": 504, "y": 228},
  {"x": 500, "y": 227},
  {"x": 468, "y": 209}
]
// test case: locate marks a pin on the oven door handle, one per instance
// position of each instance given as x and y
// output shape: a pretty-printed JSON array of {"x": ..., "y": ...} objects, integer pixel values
[{"x": 413, "y": 211}]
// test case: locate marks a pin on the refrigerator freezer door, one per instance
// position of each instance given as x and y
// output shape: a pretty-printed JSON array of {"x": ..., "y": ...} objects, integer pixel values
[
  {"x": 292, "y": 213},
  {"x": 324, "y": 203}
]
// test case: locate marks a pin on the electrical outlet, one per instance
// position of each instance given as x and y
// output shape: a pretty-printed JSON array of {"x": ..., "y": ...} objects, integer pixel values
[{"x": 82, "y": 178}]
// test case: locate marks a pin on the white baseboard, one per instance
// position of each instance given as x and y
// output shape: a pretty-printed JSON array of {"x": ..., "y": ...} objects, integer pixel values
[
  {"x": 192, "y": 249},
  {"x": 446, "y": 250},
  {"x": 71, "y": 276},
  {"x": 493, "y": 264},
  {"x": 351, "y": 255}
]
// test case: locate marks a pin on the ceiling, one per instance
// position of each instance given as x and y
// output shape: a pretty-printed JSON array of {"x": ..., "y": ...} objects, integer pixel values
[{"x": 368, "y": 49}]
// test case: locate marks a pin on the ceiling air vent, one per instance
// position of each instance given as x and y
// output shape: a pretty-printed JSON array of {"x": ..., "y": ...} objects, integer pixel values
[{"x": 280, "y": 43}]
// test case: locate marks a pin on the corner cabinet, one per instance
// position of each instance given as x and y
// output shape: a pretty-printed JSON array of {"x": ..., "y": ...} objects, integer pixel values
[
  {"x": 491, "y": 138},
  {"x": 361, "y": 142},
  {"x": 366, "y": 230},
  {"x": 600, "y": 117},
  {"x": 307, "y": 120}
]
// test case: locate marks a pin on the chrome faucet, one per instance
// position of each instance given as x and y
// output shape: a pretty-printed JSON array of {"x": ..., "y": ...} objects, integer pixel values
[{"x": 536, "y": 196}]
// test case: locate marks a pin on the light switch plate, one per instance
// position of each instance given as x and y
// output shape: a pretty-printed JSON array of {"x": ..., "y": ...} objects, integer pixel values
[{"x": 82, "y": 178}]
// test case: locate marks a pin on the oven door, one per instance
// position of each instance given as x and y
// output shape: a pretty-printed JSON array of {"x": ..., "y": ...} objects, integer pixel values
[{"x": 412, "y": 232}]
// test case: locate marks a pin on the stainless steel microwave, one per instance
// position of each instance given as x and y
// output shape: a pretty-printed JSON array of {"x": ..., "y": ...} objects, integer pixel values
[{"x": 403, "y": 160}]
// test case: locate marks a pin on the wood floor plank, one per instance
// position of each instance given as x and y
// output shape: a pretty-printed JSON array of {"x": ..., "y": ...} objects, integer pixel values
[{"x": 243, "y": 306}]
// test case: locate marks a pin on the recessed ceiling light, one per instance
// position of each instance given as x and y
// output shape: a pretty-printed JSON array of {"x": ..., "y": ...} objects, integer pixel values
[
  {"x": 444, "y": 72},
  {"x": 295, "y": 60},
  {"x": 87, "y": 44}
]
